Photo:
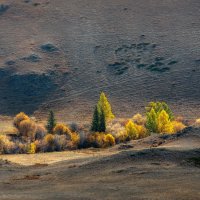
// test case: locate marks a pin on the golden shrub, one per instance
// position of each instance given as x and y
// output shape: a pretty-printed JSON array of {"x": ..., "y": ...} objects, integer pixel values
[
  {"x": 31, "y": 148},
  {"x": 139, "y": 119},
  {"x": 6, "y": 145},
  {"x": 109, "y": 140},
  {"x": 122, "y": 136},
  {"x": 19, "y": 118},
  {"x": 61, "y": 129},
  {"x": 131, "y": 130},
  {"x": 135, "y": 131},
  {"x": 101, "y": 140},
  {"x": 49, "y": 139},
  {"x": 164, "y": 123},
  {"x": 27, "y": 128},
  {"x": 74, "y": 141},
  {"x": 141, "y": 131},
  {"x": 177, "y": 126}
]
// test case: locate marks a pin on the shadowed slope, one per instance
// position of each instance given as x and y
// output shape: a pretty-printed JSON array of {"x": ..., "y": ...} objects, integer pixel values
[{"x": 136, "y": 51}]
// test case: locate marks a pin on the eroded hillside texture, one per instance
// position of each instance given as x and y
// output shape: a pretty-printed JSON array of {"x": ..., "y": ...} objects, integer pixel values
[{"x": 60, "y": 54}]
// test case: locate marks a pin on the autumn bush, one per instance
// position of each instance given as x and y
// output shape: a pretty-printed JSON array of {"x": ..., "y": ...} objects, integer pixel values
[
  {"x": 40, "y": 132},
  {"x": 122, "y": 136},
  {"x": 74, "y": 141},
  {"x": 197, "y": 122},
  {"x": 109, "y": 140},
  {"x": 61, "y": 129},
  {"x": 27, "y": 128},
  {"x": 164, "y": 125},
  {"x": 19, "y": 118},
  {"x": 135, "y": 131},
  {"x": 31, "y": 149},
  {"x": 6, "y": 145},
  {"x": 177, "y": 126},
  {"x": 101, "y": 140},
  {"x": 139, "y": 119}
]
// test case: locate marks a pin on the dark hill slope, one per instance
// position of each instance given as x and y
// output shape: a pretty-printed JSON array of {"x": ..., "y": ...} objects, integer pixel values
[{"x": 61, "y": 54}]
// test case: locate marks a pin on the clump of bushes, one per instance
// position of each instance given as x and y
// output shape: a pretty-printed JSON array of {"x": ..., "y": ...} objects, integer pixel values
[
  {"x": 160, "y": 119},
  {"x": 32, "y": 137},
  {"x": 101, "y": 140},
  {"x": 135, "y": 131}
]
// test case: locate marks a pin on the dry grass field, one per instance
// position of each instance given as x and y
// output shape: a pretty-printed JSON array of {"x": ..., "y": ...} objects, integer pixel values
[
  {"x": 136, "y": 170},
  {"x": 60, "y": 54}
]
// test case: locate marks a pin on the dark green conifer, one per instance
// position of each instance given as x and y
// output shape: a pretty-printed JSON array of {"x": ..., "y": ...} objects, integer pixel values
[
  {"x": 102, "y": 122},
  {"x": 51, "y": 123},
  {"x": 95, "y": 120}
]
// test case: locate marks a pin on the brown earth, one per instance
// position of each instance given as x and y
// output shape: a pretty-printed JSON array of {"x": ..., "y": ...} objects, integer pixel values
[
  {"x": 61, "y": 54},
  {"x": 157, "y": 167}
]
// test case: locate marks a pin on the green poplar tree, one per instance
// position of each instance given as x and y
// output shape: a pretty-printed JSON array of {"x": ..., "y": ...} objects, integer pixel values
[{"x": 151, "y": 122}]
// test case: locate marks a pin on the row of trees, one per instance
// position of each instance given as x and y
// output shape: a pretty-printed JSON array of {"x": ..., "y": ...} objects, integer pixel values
[{"x": 159, "y": 119}]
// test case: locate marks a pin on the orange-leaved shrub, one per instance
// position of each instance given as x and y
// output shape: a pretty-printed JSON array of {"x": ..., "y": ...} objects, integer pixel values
[
  {"x": 74, "y": 141},
  {"x": 101, "y": 140},
  {"x": 27, "y": 128},
  {"x": 61, "y": 129},
  {"x": 19, "y": 118}
]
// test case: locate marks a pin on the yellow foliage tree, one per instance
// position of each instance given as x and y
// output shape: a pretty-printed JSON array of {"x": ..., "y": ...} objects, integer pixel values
[
  {"x": 164, "y": 123},
  {"x": 104, "y": 105}
]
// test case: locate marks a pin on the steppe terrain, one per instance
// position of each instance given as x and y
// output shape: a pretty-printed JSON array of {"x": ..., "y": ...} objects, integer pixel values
[
  {"x": 61, "y": 54},
  {"x": 157, "y": 167}
]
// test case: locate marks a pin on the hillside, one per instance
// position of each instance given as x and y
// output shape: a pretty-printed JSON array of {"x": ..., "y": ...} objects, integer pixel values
[{"x": 61, "y": 54}]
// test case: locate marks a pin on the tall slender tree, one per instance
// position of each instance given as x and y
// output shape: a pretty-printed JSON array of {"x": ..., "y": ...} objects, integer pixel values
[
  {"x": 95, "y": 120},
  {"x": 102, "y": 122},
  {"x": 104, "y": 105},
  {"x": 51, "y": 122},
  {"x": 102, "y": 114}
]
